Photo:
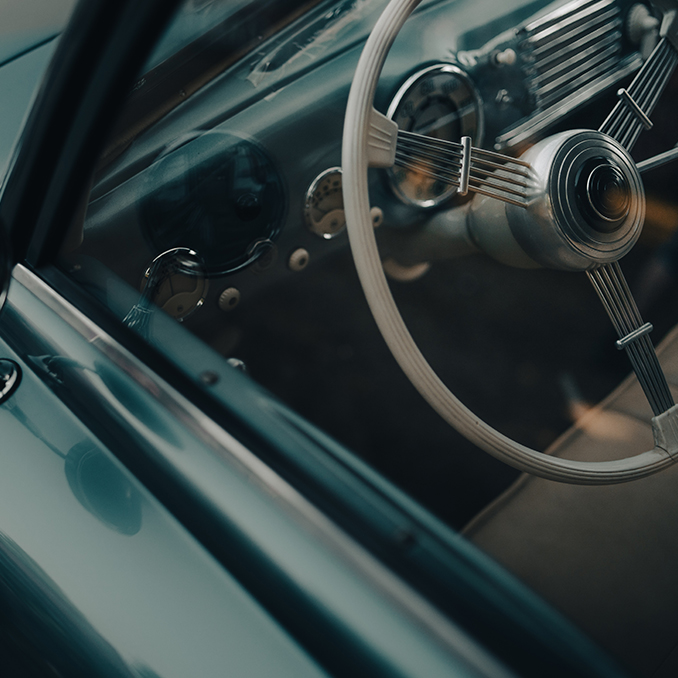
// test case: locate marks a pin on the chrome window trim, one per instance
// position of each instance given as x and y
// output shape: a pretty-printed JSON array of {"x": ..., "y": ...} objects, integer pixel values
[{"x": 335, "y": 540}]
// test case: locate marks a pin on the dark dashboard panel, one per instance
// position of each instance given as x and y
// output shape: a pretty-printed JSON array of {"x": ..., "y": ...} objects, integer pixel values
[{"x": 230, "y": 168}]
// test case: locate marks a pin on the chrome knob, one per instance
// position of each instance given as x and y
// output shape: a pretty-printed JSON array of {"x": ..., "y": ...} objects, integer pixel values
[{"x": 10, "y": 377}]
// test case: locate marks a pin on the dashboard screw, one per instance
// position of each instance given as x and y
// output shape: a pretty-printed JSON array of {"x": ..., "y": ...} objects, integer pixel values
[
  {"x": 209, "y": 378},
  {"x": 298, "y": 259},
  {"x": 405, "y": 538},
  {"x": 229, "y": 299}
]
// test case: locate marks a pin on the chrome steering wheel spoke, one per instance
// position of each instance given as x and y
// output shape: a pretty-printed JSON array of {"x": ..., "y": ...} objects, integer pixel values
[
  {"x": 632, "y": 112},
  {"x": 658, "y": 160},
  {"x": 613, "y": 290},
  {"x": 465, "y": 167},
  {"x": 625, "y": 122}
]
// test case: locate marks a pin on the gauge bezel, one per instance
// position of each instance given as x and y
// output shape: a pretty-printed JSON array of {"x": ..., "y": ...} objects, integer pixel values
[
  {"x": 231, "y": 253},
  {"x": 477, "y": 134},
  {"x": 313, "y": 187},
  {"x": 200, "y": 276}
]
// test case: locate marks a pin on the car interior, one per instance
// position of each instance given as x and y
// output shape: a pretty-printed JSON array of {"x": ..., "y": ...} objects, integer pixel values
[{"x": 218, "y": 202}]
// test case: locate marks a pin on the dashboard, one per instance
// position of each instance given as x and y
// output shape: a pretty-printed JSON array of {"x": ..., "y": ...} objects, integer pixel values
[{"x": 237, "y": 187}]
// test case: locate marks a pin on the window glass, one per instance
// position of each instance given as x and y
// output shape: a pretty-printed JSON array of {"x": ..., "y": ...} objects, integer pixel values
[
  {"x": 216, "y": 211},
  {"x": 218, "y": 200},
  {"x": 26, "y": 23}
]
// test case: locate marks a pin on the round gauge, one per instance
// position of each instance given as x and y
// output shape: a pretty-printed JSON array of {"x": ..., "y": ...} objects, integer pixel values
[
  {"x": 324, "y": 206},
  {"x": 175, "y": 281},
  {"x": 217, "y": 194},
  {"x": 441, "y": 102}
]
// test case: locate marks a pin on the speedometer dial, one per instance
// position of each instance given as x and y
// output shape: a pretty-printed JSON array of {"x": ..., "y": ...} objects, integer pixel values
[{"x": 439, "y": 101}]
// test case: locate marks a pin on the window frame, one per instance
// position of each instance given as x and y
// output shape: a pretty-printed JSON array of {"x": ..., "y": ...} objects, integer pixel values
[{"x": 83, "y": 91}]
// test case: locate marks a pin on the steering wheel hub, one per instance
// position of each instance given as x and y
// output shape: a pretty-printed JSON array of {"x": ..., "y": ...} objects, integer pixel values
[
  {"x": 604, "y": 195},
  {"x": 587, "y": 202}
]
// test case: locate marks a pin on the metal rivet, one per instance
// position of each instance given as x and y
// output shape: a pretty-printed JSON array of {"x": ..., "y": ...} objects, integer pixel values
[
  {"x": 298, "y": 259},
  {"x": 229, "y": 299},
  {"x": 265, "y": 260},
  {"x": 209, "y": 378}
]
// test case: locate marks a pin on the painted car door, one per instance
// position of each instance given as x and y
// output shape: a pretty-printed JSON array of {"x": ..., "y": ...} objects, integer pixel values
[{"x": 140, "y": 534}]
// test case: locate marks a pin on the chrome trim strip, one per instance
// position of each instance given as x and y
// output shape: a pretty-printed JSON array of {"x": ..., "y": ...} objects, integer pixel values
[
  {"x": 465, "y": 165},
  {"x": 633, "y": 106},
  {"x": 634, "y": 336},
  {"x": 338, "y": 542},
  {"x": 528, "y": 128},
  {"x": 568, "y": 55},
  {"x": 560, "y": 14},
  {"x": 597, "y": 39},
  {"x": 559, "y": 86},
  {"x": 583, "y": 80},
  {"x": 538, "y": 44},
  {"x": 564, "y": 60},
  {"x": 658, "y": 160}
]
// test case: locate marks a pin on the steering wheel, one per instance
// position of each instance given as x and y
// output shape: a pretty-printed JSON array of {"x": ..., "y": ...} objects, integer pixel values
[{"x": 579, "y": 205}]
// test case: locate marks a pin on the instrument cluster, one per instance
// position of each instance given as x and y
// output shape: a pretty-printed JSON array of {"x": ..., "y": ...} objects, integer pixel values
[{"x": 256, "y": 187}]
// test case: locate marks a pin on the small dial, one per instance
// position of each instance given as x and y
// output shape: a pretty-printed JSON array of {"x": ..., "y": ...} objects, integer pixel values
[
  {"x": 176, "y": 282},
  {"x": 180, "y": 295},
  {"x": 324, "y": 206},
  {"x": 439, "y": 102}
]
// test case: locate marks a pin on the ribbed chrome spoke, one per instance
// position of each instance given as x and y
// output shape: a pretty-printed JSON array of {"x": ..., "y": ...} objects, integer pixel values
[
  {"x": 632, "y": 112},
  {"x": 613, "y": 290},
  {"x": 479, "y": 171}
]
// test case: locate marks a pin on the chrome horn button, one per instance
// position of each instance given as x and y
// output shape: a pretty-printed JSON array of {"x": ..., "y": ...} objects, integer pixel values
[
  {"x": 604, "y": 195},
  {"x": 587, "y": 202}
]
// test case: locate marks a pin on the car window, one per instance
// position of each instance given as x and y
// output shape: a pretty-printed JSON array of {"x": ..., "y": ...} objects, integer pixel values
[
  {"x": 218, "y": 200},
  {"x": 214, "y": 228}
]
